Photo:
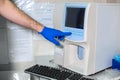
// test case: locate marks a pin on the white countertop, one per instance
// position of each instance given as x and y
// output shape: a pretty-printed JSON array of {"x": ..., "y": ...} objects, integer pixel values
[{"x": 108, "y": 74}]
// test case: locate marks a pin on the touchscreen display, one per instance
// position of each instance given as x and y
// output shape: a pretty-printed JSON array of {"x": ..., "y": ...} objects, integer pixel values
[{"x": 75, "y": 17}]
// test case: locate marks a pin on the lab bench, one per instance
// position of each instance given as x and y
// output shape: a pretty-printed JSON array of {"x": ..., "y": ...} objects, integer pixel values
[{"x": 108, "y": 74}]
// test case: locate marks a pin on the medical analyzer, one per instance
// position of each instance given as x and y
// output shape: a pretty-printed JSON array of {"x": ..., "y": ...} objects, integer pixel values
[{"x": 95, "y": 38}]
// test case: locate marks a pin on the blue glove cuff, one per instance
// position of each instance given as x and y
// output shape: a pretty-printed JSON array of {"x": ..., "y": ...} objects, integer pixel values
[{"x": 42, "y": 32}]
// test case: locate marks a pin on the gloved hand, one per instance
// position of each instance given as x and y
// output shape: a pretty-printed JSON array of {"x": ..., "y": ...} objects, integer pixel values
[{"x": 52, "y": 35}]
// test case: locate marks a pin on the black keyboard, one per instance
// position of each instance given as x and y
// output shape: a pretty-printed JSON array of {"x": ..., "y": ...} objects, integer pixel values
[{"x": 55, "y": 73}]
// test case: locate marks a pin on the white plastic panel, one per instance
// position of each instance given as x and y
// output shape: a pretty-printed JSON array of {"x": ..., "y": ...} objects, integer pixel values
[{"x": 108, "y": 40}]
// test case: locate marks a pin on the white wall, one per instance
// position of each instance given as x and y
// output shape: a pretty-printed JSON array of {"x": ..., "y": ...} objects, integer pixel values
[
  {"x": 118, "y": 1},
  {"x": 57, "y": 1},
  {"x": 113, "y": 1}
]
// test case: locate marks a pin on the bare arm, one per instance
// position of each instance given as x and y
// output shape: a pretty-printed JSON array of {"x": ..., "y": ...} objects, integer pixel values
[{"x": 14, "y": 14}]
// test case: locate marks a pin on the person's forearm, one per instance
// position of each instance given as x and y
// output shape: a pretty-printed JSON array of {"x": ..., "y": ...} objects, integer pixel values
[{"x": 14, "y": 14}]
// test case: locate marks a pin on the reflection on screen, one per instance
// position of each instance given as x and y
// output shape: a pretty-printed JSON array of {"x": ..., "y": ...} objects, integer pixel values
[{"x": 75, "y": 17}]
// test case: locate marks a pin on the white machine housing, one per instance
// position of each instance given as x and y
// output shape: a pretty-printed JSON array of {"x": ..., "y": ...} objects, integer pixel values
[{"x": 101, "y": 40}]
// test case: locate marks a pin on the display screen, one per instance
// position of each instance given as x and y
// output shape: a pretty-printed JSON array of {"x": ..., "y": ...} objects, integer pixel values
[{"x": 75, "y": 17}]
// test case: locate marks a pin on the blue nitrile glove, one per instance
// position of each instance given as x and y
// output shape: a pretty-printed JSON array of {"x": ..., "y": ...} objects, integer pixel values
[{"x": 53, "y": 34}]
